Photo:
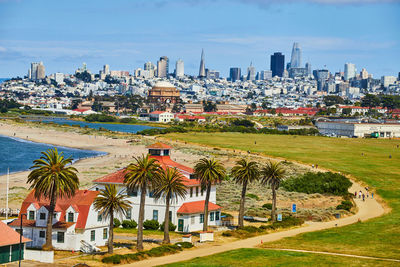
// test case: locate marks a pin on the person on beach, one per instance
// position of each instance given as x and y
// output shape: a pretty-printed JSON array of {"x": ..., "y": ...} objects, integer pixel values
[
  {"x": 355, "y": 194},
  {"x": 359, "y": 194},
  {"x": 363, "y": 197},
  {"x": 372, "y": 195}
]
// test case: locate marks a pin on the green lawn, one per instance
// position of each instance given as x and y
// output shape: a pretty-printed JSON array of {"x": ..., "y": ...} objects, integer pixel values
[
  {"x": 263, "y": 257},
  {"x": 378, "y": 237}
]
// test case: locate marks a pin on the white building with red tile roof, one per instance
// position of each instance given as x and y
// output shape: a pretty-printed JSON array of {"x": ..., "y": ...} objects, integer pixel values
[
  {"x": 187, "y": 213},
  {"x": 9, "y": 244},
  {"x": 75, "y": 220}
]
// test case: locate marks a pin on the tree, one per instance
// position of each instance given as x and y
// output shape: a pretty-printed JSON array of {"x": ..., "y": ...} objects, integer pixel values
[
  {"x": 170, "y": 186},
  {"x": 244, "y": 172},
  {"x": 109, "y": 202},
  {"x": 209, "y": 106},
  {"x": 209, "y": 171},
  {"x": 52, "y": 178},
  {"x": 331, "y": 100},
  {"x": 142, "y": 175},
  {"x": 370, "y": 101},
  {"x": 272, "y": 175}
]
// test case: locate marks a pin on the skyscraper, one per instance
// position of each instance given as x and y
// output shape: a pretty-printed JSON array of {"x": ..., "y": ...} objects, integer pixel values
[
  {"x": 234, "y": 74},
  {"x": 202, "y": 69},
  {"x": 251, "y": 72},
  {"x": 106, "y": 69},
  {"x": 163, "y": 67},
  {"x": 37, "y": 71},
  {"x": 179, "y": 68},
  {"x": 295, "y": 61},
  {"x": 349, "y": 71},
  {"x": 308, "y": 67},
  {"x": 277, "y": 64}
]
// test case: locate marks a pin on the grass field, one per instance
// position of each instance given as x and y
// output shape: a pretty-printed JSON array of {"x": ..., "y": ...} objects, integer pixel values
[
  {"x": 373, "y": 161},
  {"x": 263, "y": 257}
]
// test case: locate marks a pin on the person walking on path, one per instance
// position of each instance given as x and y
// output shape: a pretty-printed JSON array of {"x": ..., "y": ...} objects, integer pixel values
[
  {"x": 372, "y": 195},
  {"x": 359, "y": 194},
  {"x": 363, "y": 196}
]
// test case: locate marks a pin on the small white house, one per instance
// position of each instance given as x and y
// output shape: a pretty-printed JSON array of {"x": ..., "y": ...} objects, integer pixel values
[
  {"x": 75, "y": 220},
  {"x": 161, "y": 116},
  {"x": 187, "y": 213}
]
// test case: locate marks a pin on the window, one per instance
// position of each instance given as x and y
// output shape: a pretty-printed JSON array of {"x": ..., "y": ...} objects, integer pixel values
[
  {"x": 60, "y": 237},
  {"x": 166, "y": 152},
  {"x": 191, "y": 192},
  {"x": 155, "y": 152},
  {"x": 31, "y": 215},
  {"x": 42, "y": 234},
  {"x": 211, "y": 216},
  {"x": 70, "y": 216},
  {"x": 151, "y": 194},
  {"x": 92, "y": 235},
  {"x": 201, "y": 218},
  {"x": 129, "y": 214},
  {"x": 42, "y": 216},
  {"x": 99, "y": 217},
  {"x": 217, "y": 215},
  {"x": 55, "y": 215},
  {"x": 155, "y": 215},
  {"x": 132, "y": 192},
  {"x": 197, "y": 191},
  {"x": 192, "y": 219},
  {"x": 105, "y": 233}
]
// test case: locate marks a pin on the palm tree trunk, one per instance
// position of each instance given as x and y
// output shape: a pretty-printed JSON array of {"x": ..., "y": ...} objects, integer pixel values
[
  {"x": 139, "y": 244},
  {"x": 205, "y": 223},
  {"x": 111, "y": 233},
  {"x": 166, "y": 220},
  {"x": 242, "y": 201},
  {"x": 273, "y": 203},
  {"x": 49, "y": 228}
]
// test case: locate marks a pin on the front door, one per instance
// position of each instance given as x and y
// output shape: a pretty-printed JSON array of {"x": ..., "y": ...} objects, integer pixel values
[{"x": 180, "y": 225}]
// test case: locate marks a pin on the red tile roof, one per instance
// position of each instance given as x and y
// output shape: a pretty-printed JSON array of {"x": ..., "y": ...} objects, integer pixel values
[
  {"x": 9, "y": 236},
  {"x": 118, "y": 177},
  {"x": 157, "y": 112},
  {"x": 197, "y": 207},
  {"x": 81, "y": 109},
  {"x": 159, "y": 145},
  {"x": 82, "y": 200}
]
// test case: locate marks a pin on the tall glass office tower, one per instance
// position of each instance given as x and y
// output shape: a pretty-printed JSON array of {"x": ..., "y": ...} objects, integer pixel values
[{"x": 296, "y": 56}]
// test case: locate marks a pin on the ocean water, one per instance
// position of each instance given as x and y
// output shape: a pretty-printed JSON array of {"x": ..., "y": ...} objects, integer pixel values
[
  {"x": 18, "y": 154},
  {"x": 126, "y": 128},
  {"x": 3, "y": 79}
]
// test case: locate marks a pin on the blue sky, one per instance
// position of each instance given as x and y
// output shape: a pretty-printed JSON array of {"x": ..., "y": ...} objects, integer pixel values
[{"x": 233, "y": 33}]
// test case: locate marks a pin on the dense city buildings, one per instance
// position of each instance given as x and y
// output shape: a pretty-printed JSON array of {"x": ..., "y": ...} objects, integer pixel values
[
  {"x": 163, "y": 67},
  {"x": 277, "y": 64},
  {"x": 37, "y": 71},
  {"x": 349, "y": 71}
]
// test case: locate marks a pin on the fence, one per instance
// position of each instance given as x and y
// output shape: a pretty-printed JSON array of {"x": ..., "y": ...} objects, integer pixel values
[{"x": 39, "y": 255}]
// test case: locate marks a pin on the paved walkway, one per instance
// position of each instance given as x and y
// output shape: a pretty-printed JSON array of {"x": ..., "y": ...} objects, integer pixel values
[{"x": 367, "y": 209}]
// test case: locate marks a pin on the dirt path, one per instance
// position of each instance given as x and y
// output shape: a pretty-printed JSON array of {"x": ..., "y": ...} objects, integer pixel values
[{"x": 370, "y": 208}]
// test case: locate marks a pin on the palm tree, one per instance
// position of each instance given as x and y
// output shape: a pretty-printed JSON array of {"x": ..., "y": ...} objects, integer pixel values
[
  {"x": 169, "y": 186},
  {"x": 244, "y": 172},
  {"x": 272, "y": 174},
  {"x": 109, "y": 202},
  {"x": 52, "y": 178},
  {"x": 209, "y": 171},
  {"x": 141, "y": 175}
]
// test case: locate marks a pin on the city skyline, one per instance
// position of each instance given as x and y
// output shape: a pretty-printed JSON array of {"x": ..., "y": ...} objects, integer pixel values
[{"x": 99, "y": 39}]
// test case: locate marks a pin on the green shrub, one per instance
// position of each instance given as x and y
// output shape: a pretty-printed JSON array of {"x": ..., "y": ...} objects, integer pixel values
[
  {"x": 171, "y": 227},
  {"x": 345, "y": 205},
  {"x": 151, "y": 225},
  {"x": 100, "y": 118},
  {"x": 253, "y": 196},
  {"x": 227, "y": 233},
  {"x": 129, "y": 224},
  {"x": 184, "y": 244},
  {"x": 117, "y": 223},
  {"x": 321, "y": 182},
  {"x": 267, "y": 206},
  {"x": 288, "y": 222},
  {"x": 250, "y": 229},
  {"x": 267, "y": 227}
]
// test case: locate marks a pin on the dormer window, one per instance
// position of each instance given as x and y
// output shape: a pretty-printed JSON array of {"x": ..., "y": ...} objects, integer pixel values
[
  {"x": 42, "y": 216},
  {"x": 70, "y": 217},
  {"x": 31, "y": 215},
  {"x": 166, "y": 152},
  {"x": 192, "y": 176},
  {"x": 155, "y": 152}
]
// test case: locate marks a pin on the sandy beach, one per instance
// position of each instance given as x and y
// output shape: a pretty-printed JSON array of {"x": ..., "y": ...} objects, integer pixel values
[{"x": 120, "y": 154}]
